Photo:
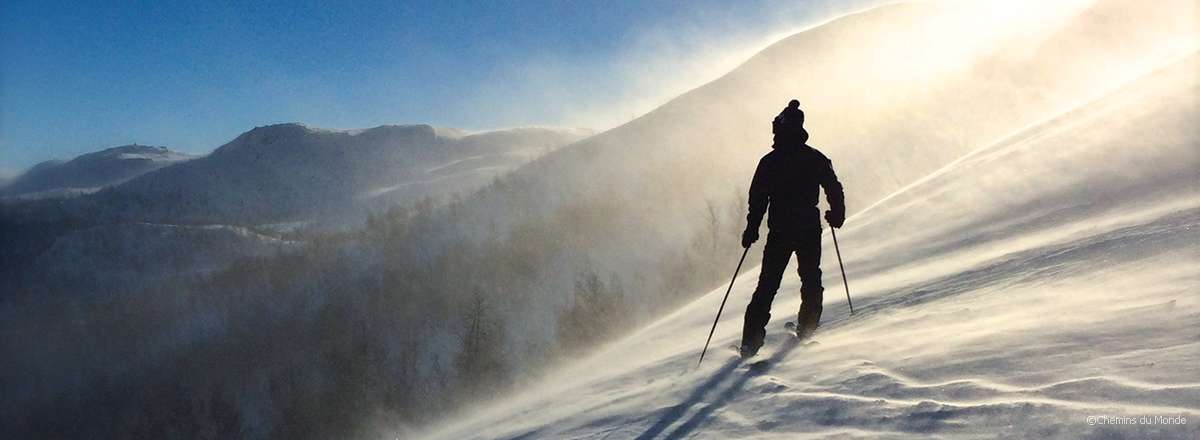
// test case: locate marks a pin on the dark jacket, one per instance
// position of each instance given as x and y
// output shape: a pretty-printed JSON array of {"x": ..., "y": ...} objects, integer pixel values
[{"x": 786, "y": 180}]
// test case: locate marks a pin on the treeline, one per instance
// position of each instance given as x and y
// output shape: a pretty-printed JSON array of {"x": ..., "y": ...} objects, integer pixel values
[{"x": 360, "y": 334}]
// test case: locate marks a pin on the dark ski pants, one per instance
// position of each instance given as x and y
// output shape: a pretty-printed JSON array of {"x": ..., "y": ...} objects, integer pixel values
[{"x": 780, "y": 247}]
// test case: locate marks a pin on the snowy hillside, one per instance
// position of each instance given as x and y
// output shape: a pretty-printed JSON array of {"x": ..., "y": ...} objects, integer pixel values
[
  {"x": 1040, "y": 287},
  {"x": 893, "y": 94},
  {"x": 90, "y": 172}
]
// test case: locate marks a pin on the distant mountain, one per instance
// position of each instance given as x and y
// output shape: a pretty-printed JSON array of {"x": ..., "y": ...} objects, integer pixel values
[
  {"x": 90, "y": 172},
  {"x": 187, "y": 218},
  {"x": 291, "y": 172}
]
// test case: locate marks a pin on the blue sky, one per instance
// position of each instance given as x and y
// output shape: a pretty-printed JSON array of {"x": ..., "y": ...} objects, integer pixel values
[{"x": 80, "y": 76}]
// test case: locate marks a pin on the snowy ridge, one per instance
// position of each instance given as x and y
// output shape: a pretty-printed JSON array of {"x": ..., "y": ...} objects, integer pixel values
[
  {"x": 292, "y": 172},
  {"x": 1035, "y": 287}
]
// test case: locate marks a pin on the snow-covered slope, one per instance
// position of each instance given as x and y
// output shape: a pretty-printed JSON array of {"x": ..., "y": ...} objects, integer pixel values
[
  {"x": 90, "y": 172},
  {"x": 1040, "y": 287}
]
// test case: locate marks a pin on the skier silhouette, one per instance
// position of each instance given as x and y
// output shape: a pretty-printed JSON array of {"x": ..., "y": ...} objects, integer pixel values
[{"x": 786, "y": 182}]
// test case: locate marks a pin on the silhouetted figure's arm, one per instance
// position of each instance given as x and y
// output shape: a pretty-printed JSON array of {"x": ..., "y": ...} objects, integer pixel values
[
  {"x": 758, "y": 206},
  {"x": 836, "y": 215}
]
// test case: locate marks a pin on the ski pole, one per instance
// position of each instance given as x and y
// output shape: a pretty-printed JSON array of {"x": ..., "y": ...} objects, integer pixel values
[
  {"x": 843, "y": 267},
  {"x": 730, "y": 289}
]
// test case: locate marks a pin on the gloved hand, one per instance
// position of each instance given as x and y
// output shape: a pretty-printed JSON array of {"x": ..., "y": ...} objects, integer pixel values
[
  {"x": 835, "y": 218},
  {"x": 749, "y": 237}
]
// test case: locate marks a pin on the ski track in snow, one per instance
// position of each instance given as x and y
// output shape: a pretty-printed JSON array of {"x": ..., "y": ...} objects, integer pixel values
[{"x": 1031, "y": 285}]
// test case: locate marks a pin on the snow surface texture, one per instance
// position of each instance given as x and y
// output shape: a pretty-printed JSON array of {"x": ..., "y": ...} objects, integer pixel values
[{"x": 1040, "y": 287}]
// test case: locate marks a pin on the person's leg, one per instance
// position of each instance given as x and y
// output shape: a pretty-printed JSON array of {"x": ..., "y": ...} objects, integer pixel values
[
  {"x": 758, "y": 313},
  {"x": 808, "y": 259}
]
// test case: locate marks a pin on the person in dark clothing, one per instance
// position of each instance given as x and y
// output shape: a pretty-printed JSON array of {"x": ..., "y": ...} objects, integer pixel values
[{"x": 785, "y": 184}]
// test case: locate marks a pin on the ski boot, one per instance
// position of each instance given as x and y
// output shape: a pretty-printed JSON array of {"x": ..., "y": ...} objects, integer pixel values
[{"x": 747, "y": 351}]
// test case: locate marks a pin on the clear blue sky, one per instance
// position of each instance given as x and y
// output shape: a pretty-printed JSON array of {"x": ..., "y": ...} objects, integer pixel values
[{"x": 79, "y": 76}]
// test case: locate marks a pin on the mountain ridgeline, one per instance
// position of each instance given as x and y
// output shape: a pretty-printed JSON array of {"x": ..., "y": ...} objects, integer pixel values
[{"x": 290, "y": 172}]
